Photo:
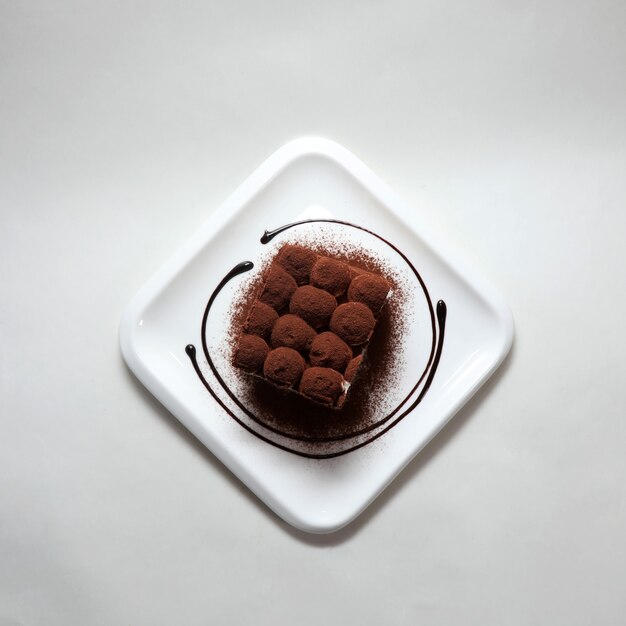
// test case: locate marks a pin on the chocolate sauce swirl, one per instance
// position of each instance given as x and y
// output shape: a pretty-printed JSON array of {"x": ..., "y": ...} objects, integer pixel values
[{"x": 429, "y": 371}]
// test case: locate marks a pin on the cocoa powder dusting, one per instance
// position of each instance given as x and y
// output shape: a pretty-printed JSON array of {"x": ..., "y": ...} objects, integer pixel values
[
  {"x": 313, "y": 305},
  {"x": 353, "y": 322},
  {"x": 292, "y": 331},
  {"x": 296, "y": 415}
]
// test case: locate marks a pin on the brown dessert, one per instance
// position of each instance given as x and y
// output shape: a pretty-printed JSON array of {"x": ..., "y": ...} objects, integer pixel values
[
  {"x": 328, "y": 350},
  {"x": 331, "y": 275},
  {"x": 284, "y": 366},
  {"x": 354, "y": 322},
  {"x": 352, "y": 368},
  {"x": 298, "y": 262},
  {"x": 251, "y": 353},
  {"x": 322, "y": 384},
  {"x": 369, "y": 289},
  {"x": 261, "y": 320},
  {"x": 313, "y": 305},
  {"x": 292, "y": 331},
  {"x": 318, "y": 314},
  {"x": 278, "y": 287}
]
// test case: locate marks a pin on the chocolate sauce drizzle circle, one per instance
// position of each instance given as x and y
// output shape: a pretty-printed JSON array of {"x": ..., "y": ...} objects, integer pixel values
[{"x": 432, "y": 364}]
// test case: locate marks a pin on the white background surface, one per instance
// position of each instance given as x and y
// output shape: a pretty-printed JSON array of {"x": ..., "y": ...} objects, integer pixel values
[{"x": 122, "y": 124}]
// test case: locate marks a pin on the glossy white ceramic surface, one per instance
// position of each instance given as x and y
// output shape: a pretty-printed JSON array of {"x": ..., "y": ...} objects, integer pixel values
[{"x": 305, "y": 179}]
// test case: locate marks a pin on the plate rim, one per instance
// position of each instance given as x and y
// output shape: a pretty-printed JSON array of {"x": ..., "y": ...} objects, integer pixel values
[{"x": 211, "y": 227}]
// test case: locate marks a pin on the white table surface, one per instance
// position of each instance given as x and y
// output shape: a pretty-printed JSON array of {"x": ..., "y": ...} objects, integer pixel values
[{"x": 123, "y": 124}]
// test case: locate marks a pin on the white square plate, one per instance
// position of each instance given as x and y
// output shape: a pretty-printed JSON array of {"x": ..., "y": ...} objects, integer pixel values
[{"x": 317, "y": 180}]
